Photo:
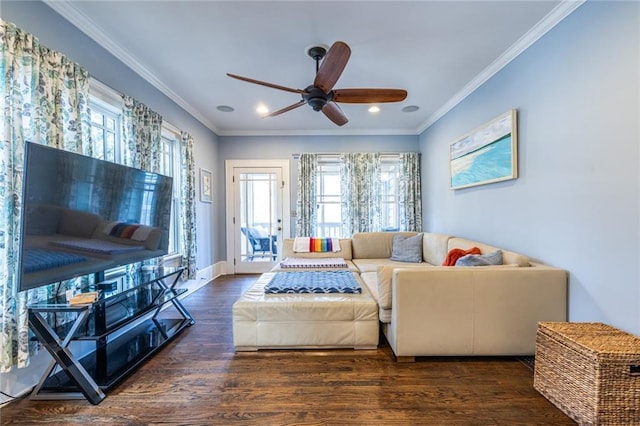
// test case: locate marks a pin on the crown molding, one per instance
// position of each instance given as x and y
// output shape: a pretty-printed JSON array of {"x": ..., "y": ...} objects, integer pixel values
[
  {"x": 337, "y": 132},
  {"x": 553, "y": 18},
  {"x": 92, "y": 30}
]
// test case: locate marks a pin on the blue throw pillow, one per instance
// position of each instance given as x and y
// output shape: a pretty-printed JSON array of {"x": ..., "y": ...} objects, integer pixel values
[
  {"x": 494, "y": 258},
  {"x": 407, "y": 249}
]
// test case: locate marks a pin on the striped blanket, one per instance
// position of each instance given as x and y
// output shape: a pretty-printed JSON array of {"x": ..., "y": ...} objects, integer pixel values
[
  {"x": 131, "y": 231},
  {"x": 316, "y": 245},
  {"x": 305, "y": 262}
]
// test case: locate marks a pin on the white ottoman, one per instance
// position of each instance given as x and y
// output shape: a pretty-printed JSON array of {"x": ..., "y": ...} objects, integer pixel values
[{"x": 304, "y": 321}]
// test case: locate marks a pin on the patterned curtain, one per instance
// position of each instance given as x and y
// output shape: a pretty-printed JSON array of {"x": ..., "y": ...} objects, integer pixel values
[
  {"x": 142, "y": 132},
  {"x": 409, "y": 196},
  {"x": 187, "y": 205},
  {"x": 44, "y": 99},
  {"x": 360, "y": 179},
  {"x": 307, "y": 208}
]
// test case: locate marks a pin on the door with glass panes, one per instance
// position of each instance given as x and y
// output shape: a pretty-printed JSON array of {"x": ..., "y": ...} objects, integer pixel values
[{"x": 258, "y": 218}]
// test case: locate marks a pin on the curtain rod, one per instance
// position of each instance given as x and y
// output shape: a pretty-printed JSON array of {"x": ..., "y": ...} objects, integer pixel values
[{"x": 297, "y": 155}]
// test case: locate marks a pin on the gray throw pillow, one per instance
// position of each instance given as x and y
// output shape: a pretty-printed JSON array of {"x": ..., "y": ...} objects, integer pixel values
[
  {"x": 493, "y": 258},
  {"x": 407, "y": 249}
]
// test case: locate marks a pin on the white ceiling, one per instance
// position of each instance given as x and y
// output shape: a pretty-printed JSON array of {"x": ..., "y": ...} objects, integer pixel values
[{"x": 439, "y": 51}]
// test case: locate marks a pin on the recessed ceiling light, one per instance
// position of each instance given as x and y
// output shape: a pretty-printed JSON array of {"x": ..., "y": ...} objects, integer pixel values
[
  {"x": 410, "y": 108},
  {"x": 262, "y": 109},
  {"x": 373, "y": 109},
  {"x": 225, "y": 108}
]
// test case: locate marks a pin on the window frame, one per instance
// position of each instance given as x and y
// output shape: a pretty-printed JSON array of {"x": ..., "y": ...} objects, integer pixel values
[
  {"x": 327, "y": 229},
  {"x": 171, "y": 141},
  {"x": 109, "y": 110}
]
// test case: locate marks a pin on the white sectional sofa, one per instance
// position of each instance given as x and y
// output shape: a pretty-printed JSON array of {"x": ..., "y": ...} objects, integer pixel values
[{"x": 425, "y": 309}]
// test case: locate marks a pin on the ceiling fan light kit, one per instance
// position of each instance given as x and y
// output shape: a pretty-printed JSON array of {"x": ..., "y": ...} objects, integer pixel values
[{"x": 320, "y": 95}]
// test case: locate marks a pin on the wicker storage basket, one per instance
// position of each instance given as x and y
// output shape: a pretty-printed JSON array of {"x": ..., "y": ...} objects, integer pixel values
[{"x": 590, "y": 371}]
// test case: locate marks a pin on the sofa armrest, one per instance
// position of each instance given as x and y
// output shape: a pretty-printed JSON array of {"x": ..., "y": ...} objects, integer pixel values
[{"x": 474, "y": 311}]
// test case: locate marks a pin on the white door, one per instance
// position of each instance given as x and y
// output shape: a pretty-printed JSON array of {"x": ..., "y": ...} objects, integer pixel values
[{"x": 258, "y": 219}]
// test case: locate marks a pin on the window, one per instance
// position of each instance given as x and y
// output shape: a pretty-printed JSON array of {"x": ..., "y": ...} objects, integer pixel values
[
  {"x": 390, "y": 175},
  {"x": 106, "y": 129},
  {"x": 170, "y": 166},
  {"x": 328, "y": 197}
]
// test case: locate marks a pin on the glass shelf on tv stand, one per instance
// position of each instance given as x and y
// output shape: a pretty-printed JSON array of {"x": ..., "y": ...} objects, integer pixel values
[{"x": 125, "y": 325}]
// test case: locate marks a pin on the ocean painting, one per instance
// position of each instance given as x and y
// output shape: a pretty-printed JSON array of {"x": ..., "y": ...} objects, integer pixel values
[{"x": 485, "y": 155}]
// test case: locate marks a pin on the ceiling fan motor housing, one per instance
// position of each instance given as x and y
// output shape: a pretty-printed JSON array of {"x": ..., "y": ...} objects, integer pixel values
[{"x": 316, "y": 97}]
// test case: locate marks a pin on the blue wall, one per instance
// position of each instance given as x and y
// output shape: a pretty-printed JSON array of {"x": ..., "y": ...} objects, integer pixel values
[
  {"x": 56, "y": 33},
  {"x": 575, "y": 204}
]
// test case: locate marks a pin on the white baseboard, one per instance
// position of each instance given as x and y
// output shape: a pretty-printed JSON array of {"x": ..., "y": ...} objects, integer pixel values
[{"x": 212, "y": 272}]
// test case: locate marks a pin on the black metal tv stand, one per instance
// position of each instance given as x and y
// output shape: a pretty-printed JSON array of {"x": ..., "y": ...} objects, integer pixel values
[{"x": 121, "y": 329}]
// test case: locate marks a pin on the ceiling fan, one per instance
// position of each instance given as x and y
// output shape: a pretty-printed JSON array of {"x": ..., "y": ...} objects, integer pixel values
[{"x": 321, "y": 95}]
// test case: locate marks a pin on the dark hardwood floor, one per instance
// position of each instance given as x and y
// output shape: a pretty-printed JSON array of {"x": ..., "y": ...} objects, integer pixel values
[{"x": 199, "y": 380}]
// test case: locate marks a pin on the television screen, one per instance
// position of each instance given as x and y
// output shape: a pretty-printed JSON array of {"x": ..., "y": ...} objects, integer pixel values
[{"x": 82, "y": 215}]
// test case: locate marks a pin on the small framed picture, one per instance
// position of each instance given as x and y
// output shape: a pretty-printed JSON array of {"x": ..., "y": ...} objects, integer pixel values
[{"x": 206, "y": 184}]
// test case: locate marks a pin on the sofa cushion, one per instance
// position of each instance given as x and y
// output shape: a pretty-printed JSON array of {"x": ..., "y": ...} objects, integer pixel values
[
  {"x": 434, "y": 247},
  {"x": 374, "y": 245},
  {"x": 508, "y": 257},
  {"x": 371, "y": 265},
  {"x": 407, "y": 248},
  {"x": 456, "y": 253},
  {"x": 494, "y": 258},
  {"x": 371, "y": 282}
]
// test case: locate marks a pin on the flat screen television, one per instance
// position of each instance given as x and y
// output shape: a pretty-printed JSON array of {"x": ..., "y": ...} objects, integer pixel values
[{"x": 82, "y": 215}]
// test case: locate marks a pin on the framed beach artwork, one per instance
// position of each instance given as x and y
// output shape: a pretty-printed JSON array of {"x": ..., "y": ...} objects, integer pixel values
[
  {"x": 205, "y": 186},
  {"x": 488, "y": 154}
]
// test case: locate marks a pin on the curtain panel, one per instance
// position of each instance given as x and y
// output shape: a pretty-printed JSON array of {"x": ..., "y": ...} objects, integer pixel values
[
  {"x": 142, "y": 139},
  {"x": 44, "y": 100},
  {"x": 360, "y": 178},
  {"x": 142, "y": 132},
  {"x": 409, "y": 193},
  {"x": 188, "y": 205},
  {"x": 307, "y": 207}
]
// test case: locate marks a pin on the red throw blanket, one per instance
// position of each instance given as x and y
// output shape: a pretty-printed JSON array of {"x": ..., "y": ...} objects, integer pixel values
[{"x": 456, "y": 253}]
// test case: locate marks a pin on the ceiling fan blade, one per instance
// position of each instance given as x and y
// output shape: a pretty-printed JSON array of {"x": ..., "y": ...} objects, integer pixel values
[
  {"x": 334, "y": 113},
  {"x": 285, "y": 109},
  {"x": 369, "y": 96},
  {"x": 332, "y": 66},
  {"x": 263, "y": 83}
]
